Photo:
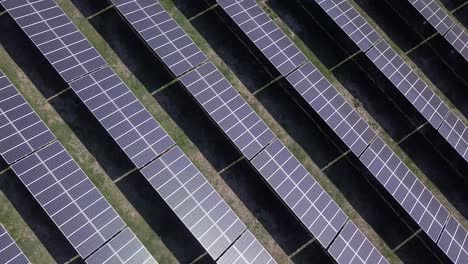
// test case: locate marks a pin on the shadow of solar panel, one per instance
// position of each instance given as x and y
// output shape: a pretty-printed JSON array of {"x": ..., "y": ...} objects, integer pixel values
[
  {"x": 195, "y": 201},
  {"x": 351, "y": 22},
  {"x": 408, "y": 83},
  {"x": 67, "y": 195},
  {"x": 459, "y": 40},
  {"x": 246, "y": 250},
  {"x": 228, "y": 109},
  {"x": 119, "y": 111},
  {"x": 21, "y": 130},
  {"x": 406, "y": 188},
  {"x": 456, "y": 133},
  {"x": 64, "y": 46},
  {"x": 125, "y": 248},
  {"x": 332, "y": 107},
  {"x": 265, "y": 34},
  {"x": 9, "y": 250},
  {"x": 454, "y": 241},
  {"x": 173, "y": 46},
  {"x": 300, "y": 192},
  {"x": 351, "y": 246},
  {"x": 433, "y": 13}
]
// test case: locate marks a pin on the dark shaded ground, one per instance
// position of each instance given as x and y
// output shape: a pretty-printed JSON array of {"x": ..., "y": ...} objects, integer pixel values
[
  {"x": 197, "y": 125},
  {"x": 311, "y": 254},
  {"x": 266, "y": 207},
  {"x": 131, "y": 50},
  {"x": 160, "y": 217}
]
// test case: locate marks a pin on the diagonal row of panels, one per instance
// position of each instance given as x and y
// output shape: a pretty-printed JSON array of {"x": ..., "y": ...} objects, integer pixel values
[
  {"x": 284, "y": 173},
  {"x": 55, "y": 180},
  {"x": 378, "y": 157},
  {"x": 138, "y": 134},
  {"x": 398, "y": 72},
  {"x": 454, "y": 33},
  {"x": 9, "y": 250}
]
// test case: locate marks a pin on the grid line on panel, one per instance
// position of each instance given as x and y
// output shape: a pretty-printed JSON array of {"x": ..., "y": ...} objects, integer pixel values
[
  {"x": 120, "y": 112},
  {"x": 124, "y": 248},
  {"x": 265, "y": 34},
  {"x": 351, "y": 246},
  {"x": 408, "y": 83},
  {"x": 406, "y": 188},
  {"x": 246, "y": 249},
  {"x": 459, "y": 40},
  {"x": 332, "y": 107},
  {"x": 305, "y": 192},
  {"x": 9, "y": 250},
  {"x": 188, "y": 205},
  {"x": 23, "y": 130},
  {"x": 165, "y": 37},
  {"x": 456, "y": 133},
  {"x": 54, "y": 180},
  {"x": 351, "y": 22},
  {"x": 228, "y": 109},
  {"x": 454, "y": 241},
  {"x": 71, "y": 60},
  {"x": 434, "y": 14}
]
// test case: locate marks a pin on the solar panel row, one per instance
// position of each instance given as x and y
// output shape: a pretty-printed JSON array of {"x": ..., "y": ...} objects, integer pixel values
[
  {"x": 23, "y": 129},
  {"x": 56, "y": 36},
  {"x": 300, "y": 192},
  {"x": 265, "y": 34},
  {"x": 9, "y": 250},
  {"x": 454, "y": 241},
  {"x": 195, "y": 201},
  {"x": 69, "y": 198},
  {"x": 246, "y": 250},
  {"x": 456, "y": 133},
  {"x": 458, "y": 37},
  {"x": 433, "y": 13},
  {"x": 408, "y": 83},
  {"x": 351, "y": 22},
  {"x": 228, "y": 109},
  {"x": 119, "y": 111},
  {"x": 332, "y": 107},
  {"x": 406, "y": 188},
  {"x": 351, "y": 246},
  {"x": 125, "y": 248},
  {"x": 162, "y": 34}
]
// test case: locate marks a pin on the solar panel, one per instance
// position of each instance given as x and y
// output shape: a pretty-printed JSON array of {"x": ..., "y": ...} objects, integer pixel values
[
  {"x": 228, "y": 109},
  {"x": 433, "y": 13},
  {"x": 22, "y": 131},
  {"x": 351, "y": 246},
  {"x": 300, "y": 192},
  {"x": 458, "y": 37},
  {"x": 454, "y": 241},
  {"x": 67, "y": 195},
  {"x": 405, "y": 187},
  {"x": 175, "y": 48},
  {"x": 9, "y": 250},
  {"x": 332, "y": 107},
  {"x": 125, "y": 248},
  {"x": 456, "y": 133},
  {"x": 351, "y": 22},
  {"x": 194, "y": 201},
  {"x": 119, "y": 111},
  {"x": 265, "y": 34},
  {"x": 408, "y": 83},
  {"x": 56, "y": 36},
  {"x": 246, "y": 250}
]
